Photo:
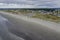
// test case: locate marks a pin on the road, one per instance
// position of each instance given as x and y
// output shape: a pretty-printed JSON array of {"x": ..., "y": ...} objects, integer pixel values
[{"x": 15, "y": 27}]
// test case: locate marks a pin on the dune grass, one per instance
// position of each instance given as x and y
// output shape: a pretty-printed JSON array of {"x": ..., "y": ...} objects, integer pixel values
[
  {"x": 19, "y": 11},
  {"x": 38, "y": 15},
  {"x": 47, "y": 17}
]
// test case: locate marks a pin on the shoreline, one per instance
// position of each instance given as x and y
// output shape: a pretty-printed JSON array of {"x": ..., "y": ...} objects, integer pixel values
[{"x": 35, "y": 20}]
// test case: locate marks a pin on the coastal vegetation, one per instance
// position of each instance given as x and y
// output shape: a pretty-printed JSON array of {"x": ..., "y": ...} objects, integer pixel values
[{"x": 44, "y": 14}]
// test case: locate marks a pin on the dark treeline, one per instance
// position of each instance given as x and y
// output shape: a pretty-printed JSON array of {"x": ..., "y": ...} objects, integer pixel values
[{"x": 45, "y": 9}]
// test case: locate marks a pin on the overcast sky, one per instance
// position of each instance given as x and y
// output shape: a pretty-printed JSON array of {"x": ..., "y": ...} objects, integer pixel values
[{"x": 29, "y": 3}]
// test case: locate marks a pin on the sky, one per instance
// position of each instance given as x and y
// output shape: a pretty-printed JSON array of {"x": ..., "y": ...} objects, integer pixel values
[{"x": 29, "y": 3}]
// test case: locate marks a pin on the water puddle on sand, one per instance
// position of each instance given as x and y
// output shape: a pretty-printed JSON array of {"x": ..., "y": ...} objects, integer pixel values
[{"x": 4, "y": 32}]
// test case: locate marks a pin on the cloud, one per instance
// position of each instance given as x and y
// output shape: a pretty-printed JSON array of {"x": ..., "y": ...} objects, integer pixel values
[
  {"x": 4, "y": 5},
  {"x": 30, "y": 3}
]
